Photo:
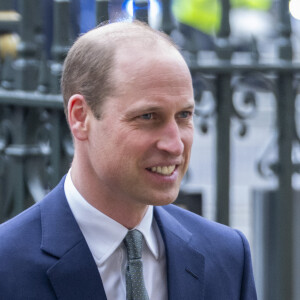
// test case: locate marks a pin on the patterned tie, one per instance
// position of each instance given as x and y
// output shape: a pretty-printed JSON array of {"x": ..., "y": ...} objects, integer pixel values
[{"x": 135, "y": 286}]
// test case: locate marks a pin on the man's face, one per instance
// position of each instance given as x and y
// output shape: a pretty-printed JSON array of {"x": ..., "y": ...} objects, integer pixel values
[{"x": 140, "y": 148}]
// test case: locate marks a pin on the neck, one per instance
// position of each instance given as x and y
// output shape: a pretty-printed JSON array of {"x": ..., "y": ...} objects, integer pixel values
[{"x": 124, "y": 212}]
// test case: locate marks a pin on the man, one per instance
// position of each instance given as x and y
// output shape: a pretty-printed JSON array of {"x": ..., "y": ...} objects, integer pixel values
[{"x": 129, "y": 103}]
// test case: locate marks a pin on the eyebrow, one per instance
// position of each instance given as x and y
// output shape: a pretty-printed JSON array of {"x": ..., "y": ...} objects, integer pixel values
[
  {"x": 141, "y": 110},
  {"x": 153, "y": 108},
  {"x": 191, "y": 106}
]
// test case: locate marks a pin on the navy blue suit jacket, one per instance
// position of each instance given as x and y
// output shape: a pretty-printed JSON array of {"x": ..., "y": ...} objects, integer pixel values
[{"x": 43, "y": 255}]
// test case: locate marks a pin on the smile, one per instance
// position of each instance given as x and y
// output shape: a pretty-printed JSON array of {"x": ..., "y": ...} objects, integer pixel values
[{"x": 163, "y": 170}]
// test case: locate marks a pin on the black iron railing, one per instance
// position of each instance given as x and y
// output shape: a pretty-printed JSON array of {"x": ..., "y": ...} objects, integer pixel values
[{"x": 36, "y": 147}]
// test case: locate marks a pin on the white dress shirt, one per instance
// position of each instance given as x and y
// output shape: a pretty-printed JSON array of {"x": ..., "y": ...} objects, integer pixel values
[{"x": 104, "y": 237}]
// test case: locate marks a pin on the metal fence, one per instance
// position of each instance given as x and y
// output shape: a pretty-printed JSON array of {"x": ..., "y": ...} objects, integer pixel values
[{"x": 36, "y": 147}]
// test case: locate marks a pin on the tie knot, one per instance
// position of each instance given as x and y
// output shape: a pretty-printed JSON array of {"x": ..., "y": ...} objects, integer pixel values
[{"x": 134, "y": 243}]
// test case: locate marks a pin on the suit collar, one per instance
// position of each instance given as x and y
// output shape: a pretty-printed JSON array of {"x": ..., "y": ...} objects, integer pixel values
[
  {"x": 92, "y": 221},
  {"x": 60, "y": 231},
  {"x": 185, "y": 264},
  {"x": 74, "y": 274}
]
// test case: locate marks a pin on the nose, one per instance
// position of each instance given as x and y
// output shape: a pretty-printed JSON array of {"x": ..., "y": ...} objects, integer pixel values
[{"x": 170, "y": 139}]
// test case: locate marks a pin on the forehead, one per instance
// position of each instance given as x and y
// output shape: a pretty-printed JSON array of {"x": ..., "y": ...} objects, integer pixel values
[
  {"x": 148, "y": 78},
  {"x": 161, "y": 65}
]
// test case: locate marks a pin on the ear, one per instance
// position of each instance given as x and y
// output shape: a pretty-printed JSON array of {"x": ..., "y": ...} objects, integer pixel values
[{"x": 78, "y": 112}]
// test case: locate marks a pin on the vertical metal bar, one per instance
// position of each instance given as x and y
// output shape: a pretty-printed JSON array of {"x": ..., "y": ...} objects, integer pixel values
[
  {"x": 27, "y": 66},
  {"x": 223, "y": 148},
  {"x": 284, "y": 30},
  {"x": 18, "y": 161},
  {"x": 224, "y": 25},
  {"x": 167, "y": 19},
  {"x": 285, "y": 119},
  {"x": 223, "y": 108},
  {"x": 141, "y": 10},
  {"x": 26, "y": 74},
  {"x": 7, "y": 73},
  {"x": 44, "y": 75},
  {"x": 6, "y": 5},
  {"x": 223, "y": 47},
  {"x": 61, "y": 44},
  {"x": 61, "y": 41},
  {"x": 283, "y": 285},
  {"x": 102, "y": 11}
]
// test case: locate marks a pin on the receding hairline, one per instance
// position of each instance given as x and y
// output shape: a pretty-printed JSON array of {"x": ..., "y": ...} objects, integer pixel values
[{"x": 135, "y": 32}]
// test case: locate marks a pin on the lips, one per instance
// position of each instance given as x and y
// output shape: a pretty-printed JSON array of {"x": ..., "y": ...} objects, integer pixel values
[{"x": 163, "y": 170}]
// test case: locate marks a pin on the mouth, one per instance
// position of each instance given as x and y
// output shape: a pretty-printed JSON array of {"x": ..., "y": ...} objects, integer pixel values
[{"x": 163, "y": 170}]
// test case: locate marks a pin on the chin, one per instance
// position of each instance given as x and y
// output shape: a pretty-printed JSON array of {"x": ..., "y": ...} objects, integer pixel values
[{"x": 165, "y": 199}]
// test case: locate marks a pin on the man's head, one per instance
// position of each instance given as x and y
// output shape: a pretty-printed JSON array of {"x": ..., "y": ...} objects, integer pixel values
[
  {"x": 132, "y": 127},
  {"x": 89, "y": 64}
]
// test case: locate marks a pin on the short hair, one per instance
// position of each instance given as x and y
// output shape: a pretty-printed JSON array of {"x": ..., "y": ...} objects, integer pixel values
[{"x": 89, "y": 63}]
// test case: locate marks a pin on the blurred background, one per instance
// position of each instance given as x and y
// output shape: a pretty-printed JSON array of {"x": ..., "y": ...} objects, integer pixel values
[{"x": 244, "y": 59}]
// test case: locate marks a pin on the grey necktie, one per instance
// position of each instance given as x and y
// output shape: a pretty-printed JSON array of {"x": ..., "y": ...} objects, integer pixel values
[{"x": 135, "y": 285}]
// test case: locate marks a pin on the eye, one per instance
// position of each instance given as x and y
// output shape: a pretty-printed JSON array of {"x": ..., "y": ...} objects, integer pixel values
[
  {"x": 148, "y": 116},
  {"x": 185, "y": 114}
]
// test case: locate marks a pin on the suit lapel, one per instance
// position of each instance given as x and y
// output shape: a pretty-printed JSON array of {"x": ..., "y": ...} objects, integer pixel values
[
  {"x": 74, "y": 274},
  {"x": 185, "y": 265}
]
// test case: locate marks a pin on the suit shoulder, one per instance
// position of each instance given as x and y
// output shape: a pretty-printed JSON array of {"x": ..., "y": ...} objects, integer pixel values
[
  {"x": 29, "y": 220},
  {"x": 20, "y": 226},
  {"x": 204, "y": 228},
  {"x": 187, "y": 217},
  {"x": 21, "y": 219}
]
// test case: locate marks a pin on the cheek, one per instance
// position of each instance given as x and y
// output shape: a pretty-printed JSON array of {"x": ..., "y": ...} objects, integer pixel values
[
  {"x": 102, "y": 148},
  {"x": 188, "y": 138},
  {"x": 135, "y": 140}
]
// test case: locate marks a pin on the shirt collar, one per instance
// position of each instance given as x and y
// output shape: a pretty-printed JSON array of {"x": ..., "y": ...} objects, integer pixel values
[{"x": 103, "y": 234}]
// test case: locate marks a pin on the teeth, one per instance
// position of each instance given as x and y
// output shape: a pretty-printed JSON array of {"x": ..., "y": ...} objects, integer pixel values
[{"x": 164, "y": 170}]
